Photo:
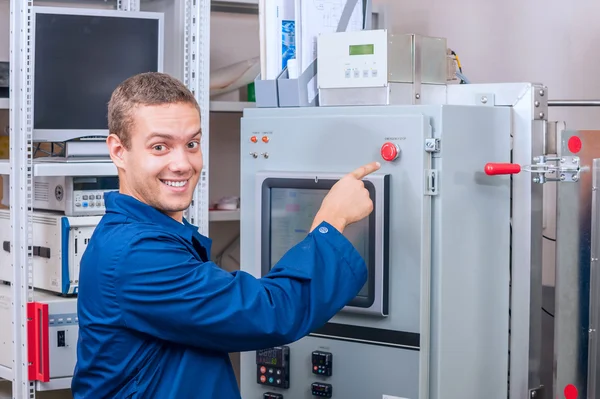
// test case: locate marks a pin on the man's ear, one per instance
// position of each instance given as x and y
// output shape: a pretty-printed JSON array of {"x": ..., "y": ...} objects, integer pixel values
[{"x": 116, "y": 150}]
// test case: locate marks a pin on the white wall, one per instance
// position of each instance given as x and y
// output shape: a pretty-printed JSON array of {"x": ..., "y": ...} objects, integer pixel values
[{"x": 552, "y": 42}]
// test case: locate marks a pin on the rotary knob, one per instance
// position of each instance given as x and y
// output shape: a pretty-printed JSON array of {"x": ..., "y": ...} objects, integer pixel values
[{"x": 390, "y": 151}]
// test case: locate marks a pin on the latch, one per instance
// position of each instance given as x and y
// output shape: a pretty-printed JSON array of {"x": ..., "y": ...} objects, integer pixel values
[
  {"x": 432, "y": 145},
  {"x": 536, "y": 393},
  {"x": 544, "y": 168},
  {"x": 431, "y": 182}
]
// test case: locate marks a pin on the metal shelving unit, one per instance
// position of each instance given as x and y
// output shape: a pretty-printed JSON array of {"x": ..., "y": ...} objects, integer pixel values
[
  {"x": 224, "y": 216},
  {"x": 74, "y": 169},
  {"x": 5, "y": 373},
  {"x": 22, "y": 168},
  {"x": 4, "y": 170},
  {"x": 230, "y": 106}
]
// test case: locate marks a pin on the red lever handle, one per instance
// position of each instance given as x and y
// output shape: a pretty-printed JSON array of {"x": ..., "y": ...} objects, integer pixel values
[{"x": 492, "y": 169}]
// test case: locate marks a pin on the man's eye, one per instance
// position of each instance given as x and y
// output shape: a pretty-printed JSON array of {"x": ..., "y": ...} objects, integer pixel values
[
  {"x": 158, "y": 147},
  {"x": 193, "y": 144}
]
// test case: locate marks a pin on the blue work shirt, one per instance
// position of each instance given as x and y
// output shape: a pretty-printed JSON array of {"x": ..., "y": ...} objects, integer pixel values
[{"x": 157, "y": 318}]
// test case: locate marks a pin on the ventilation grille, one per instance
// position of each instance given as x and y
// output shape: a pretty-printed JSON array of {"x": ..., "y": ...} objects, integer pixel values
[
  {"x": 47, "y": 220},
  {"x": 41, "y": 191}
]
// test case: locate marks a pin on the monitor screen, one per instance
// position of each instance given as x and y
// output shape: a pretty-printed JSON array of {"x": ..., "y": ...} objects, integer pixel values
[
  {"x": 289, "y": 208},
  {"x": 292, "y": 214},
  {"x": 79, "y": 61}
]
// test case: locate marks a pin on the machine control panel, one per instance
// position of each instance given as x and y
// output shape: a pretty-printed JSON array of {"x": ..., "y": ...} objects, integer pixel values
[
  {"x": 322, "y": 363},
  {"x": 322, "y": 390},
  {"x": 271, "y": 395},
  {"x": 89, "y": 199},
  {"x": 75, "y": 196},
  {"x": 273, "y": 367},
  {"x": 353, "y": 59}
]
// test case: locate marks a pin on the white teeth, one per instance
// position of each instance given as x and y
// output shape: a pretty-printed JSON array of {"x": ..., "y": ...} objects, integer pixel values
[{"x": 175, "y": 183}]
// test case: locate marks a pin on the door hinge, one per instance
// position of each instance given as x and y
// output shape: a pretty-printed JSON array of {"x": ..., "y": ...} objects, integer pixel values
[
  {"x": 431, "y": 182},
  {"x": 432, "y": 145}
]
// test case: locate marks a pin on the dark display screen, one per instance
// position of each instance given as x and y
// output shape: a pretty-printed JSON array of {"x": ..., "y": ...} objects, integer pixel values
[
  {"x": 81, "y": 59},
  {"x": 288, "y": 210}
]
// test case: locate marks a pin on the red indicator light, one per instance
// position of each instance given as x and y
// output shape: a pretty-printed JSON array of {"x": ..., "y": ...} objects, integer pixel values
[
  {"x": 570, "y": 392},
  {"x": 575, "y": 144}
]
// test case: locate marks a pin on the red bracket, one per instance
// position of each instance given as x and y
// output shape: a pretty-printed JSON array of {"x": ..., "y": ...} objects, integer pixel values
[{"x": 37, "y": 342}]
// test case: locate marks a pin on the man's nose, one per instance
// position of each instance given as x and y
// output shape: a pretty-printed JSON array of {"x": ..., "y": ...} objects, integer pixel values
[{"x": 180, "y": 162}]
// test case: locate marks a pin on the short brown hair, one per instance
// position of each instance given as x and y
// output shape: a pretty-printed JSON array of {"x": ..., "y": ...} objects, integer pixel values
[{"x": 150, "y": 88}]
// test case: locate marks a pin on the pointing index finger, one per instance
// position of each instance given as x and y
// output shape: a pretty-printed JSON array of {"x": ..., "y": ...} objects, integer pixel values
[{"x": 366, "y": 170}]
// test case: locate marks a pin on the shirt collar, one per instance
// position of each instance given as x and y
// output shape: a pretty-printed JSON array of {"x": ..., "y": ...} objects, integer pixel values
[{"x": 131, "y": 207}]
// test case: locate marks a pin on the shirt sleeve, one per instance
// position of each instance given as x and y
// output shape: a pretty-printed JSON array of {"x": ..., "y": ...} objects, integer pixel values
[{"x": 164, "y": 291}]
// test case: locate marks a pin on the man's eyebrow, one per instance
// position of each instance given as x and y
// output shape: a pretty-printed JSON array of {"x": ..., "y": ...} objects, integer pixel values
[{"x": 164, "y": 136}]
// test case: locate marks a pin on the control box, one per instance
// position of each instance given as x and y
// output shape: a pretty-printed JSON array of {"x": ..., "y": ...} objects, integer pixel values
[
  {"x": 58, "y": 246},
  {"x": 322, "y": 363},
  {"x": 322, "y": 390},
  {"x": 273, "y": 367},
  {"x": 69, "y": 195},
  {"x": 54, "y": 330},
  {"x": 353, "y": 59},
  {"x": 432, "y": 294},
  {"x": 75, "y": 196}
]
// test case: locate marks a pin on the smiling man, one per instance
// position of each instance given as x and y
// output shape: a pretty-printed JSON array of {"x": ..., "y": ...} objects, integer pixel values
[{"x": 157, "y": 318}]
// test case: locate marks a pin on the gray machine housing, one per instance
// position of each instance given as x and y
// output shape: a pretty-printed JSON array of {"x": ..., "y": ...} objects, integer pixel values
[
  {"x": 58, "y": 334},
  {"x": 445, "y": 333}
]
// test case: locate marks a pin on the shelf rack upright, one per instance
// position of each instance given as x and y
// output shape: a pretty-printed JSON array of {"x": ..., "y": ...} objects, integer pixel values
[{"x": 196, "y": 69}]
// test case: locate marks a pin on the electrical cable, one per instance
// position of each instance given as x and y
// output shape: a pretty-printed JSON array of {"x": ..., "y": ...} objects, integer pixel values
[{"x": 459, "y": 74}]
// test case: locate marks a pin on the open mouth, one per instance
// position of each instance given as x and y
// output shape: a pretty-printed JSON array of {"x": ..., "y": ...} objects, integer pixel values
[{"x": 175, "y": 183}]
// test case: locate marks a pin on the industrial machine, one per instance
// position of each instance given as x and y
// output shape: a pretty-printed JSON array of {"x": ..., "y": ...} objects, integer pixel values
[
  {"x": 73, "y": 196},
  {"x": 53, "y": 330},
  {"x": 69, "y": 195},
  {"x": 453, "y": 303},
  {"x": 59, "y": 243}
]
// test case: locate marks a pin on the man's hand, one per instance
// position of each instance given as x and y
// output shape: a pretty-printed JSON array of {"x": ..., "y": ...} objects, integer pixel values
[{"x": 348, "y": 201}]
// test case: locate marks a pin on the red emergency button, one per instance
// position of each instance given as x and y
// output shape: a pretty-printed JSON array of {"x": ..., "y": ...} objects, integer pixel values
[
  {"x": 253, "y": 139},
  {"x": 389, "y": 151}
]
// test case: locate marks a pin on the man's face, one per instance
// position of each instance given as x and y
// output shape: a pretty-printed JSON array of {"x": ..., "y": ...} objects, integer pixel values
[{"x": 163, "y": 164}]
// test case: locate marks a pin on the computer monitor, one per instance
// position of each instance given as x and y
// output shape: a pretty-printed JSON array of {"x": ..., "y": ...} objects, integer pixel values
[
  {"x": 80, "y": 56},
  {"x": 289, "y": 204}
]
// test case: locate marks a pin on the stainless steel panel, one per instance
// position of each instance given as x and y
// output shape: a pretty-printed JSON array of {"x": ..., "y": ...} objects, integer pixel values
[
  {"x": 416, "y": 59},
  {"x": 528, "y": 102},
  {"x": 594, "y": 349},
  {"x": 573, "y": 239}
]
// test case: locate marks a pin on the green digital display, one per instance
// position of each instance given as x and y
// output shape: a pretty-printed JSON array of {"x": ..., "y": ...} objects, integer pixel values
[{"x": 362, "y": 49}]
